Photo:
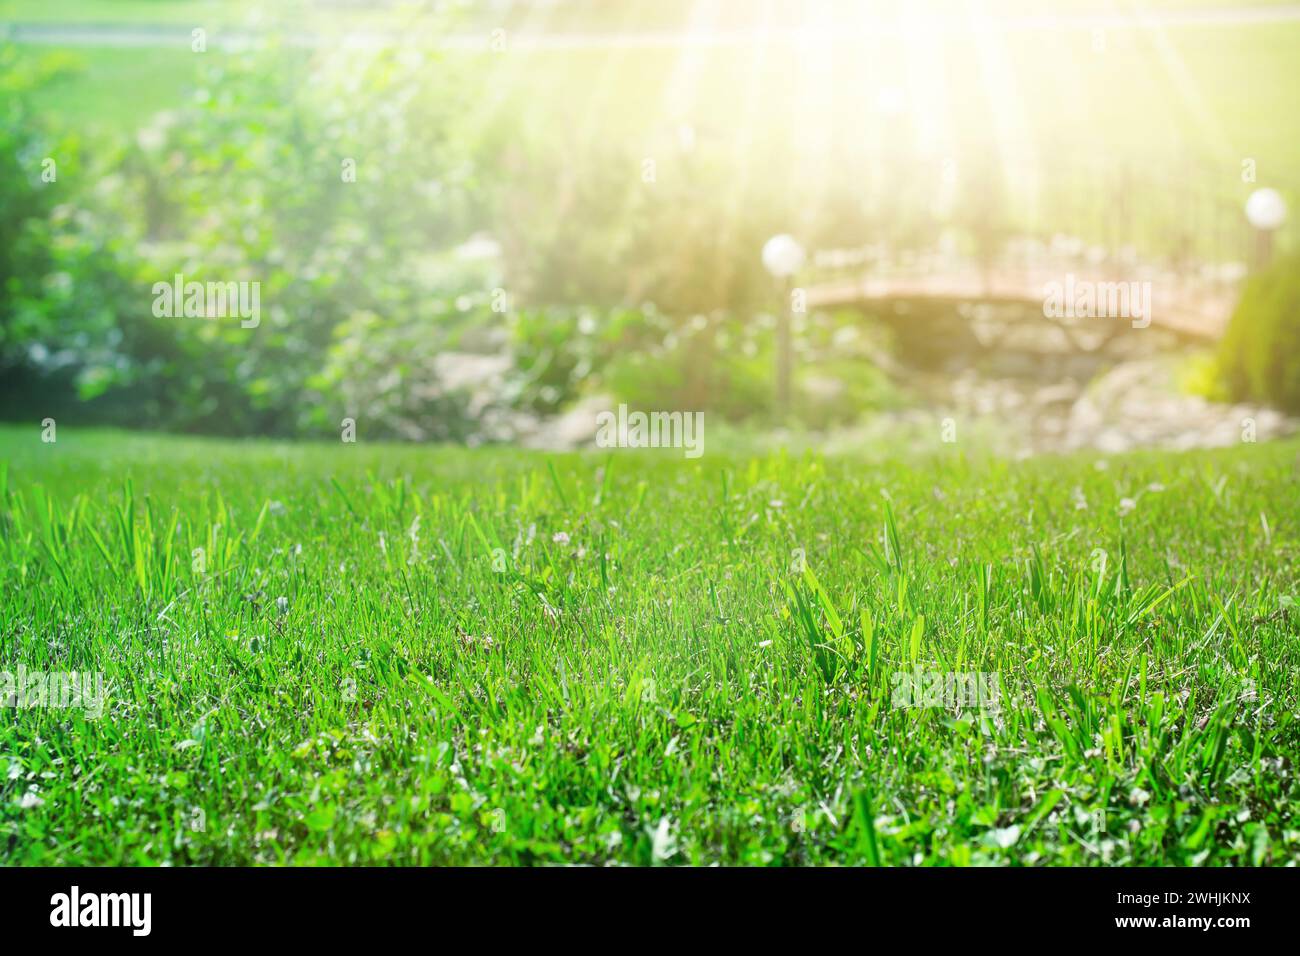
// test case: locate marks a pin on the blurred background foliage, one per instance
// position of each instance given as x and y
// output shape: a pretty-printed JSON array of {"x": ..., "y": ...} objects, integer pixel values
[
  {"x": 245, "y": 182},
  {"x": 611, "y": 280},
  {"x": 584, "y": 224},
  {"x": 1259, "y": 357}
]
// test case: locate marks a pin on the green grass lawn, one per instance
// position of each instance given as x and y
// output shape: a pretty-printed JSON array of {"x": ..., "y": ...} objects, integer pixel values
[
  {"x": 197, "y": 12},
  {"x": 115, "y": 89},
  {"x": 426, "y": 655}
]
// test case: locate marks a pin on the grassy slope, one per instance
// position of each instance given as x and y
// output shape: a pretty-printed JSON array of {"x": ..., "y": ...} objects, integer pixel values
[
  {"x": 639, "y": 691},
  {"x": 121, "y": 11},
  {"x": 116, "y": 89}
]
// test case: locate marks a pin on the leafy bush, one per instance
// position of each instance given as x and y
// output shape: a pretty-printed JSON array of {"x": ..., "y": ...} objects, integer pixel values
[
  {"x": 1259, "y": 357},
  {"x": 560, "y": 351},
  {"x": 716, "y": 362},
  {"x": 252, "y": 181},
  {"x": 29, "y": 192}
]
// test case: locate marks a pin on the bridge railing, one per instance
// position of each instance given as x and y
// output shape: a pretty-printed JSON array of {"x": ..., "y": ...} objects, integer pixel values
[{"x": 1021, "y": 226}]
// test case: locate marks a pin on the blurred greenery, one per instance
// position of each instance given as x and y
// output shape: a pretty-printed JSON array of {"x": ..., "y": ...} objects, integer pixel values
[
  {"x": 717, "y": 362},
  {"x": 1259, "y": 357},
  {"x": 247, "y": 182},
  {"x": 594, "y": 218},
  {"x": 634, "y": 291}
]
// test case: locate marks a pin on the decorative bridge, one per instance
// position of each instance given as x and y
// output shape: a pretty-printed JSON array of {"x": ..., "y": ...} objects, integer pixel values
[
  {"x": 1010, "y": 266},
  {"x": 1193, "y": 307}
]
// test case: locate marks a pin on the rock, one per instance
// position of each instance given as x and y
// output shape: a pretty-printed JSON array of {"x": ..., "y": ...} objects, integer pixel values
[
  {"x": 571, "y": 429},
  {"x": 1137, "y": 404}
]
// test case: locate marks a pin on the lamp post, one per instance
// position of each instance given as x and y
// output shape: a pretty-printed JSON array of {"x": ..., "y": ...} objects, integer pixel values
[
  {"x": 1266, "y": 211},
  {"x": 782, "y": 258}
]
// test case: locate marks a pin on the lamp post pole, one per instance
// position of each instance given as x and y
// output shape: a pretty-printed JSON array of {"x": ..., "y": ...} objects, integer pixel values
[
  {"x": 783, "y": 257},
  {"x": 1265, "y": 211},
  {"x": 784, "y": 359}
]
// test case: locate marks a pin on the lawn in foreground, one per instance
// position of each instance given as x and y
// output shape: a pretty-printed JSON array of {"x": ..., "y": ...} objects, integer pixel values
[{"x": 362, "y": 654}]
